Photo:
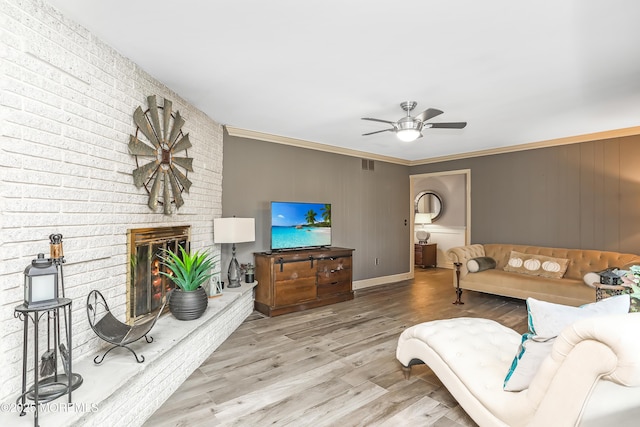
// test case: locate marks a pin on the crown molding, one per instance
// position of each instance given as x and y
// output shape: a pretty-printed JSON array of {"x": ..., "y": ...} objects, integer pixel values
[
  {"x": 251, "y": 134},
  {"x": 596, "y": 136}
]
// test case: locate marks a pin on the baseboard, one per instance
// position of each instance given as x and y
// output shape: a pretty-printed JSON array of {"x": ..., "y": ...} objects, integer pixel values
[{"x": 383, "y": 280}]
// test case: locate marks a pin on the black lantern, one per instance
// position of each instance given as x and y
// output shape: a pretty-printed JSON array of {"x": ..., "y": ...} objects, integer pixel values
[{"x": 40, "y": 282}]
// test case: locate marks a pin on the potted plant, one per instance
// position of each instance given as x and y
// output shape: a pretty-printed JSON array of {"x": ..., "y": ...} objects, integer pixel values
[{"x": 189, "y": 271}]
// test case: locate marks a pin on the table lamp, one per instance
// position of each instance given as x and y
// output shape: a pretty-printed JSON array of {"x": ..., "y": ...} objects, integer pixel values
[
  {"x": 234, "y": 230},
  {"x": 422, "y": 235}
]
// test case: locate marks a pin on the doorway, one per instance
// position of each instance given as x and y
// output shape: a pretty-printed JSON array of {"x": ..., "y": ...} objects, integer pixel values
[{"x": 453, "y": 225}]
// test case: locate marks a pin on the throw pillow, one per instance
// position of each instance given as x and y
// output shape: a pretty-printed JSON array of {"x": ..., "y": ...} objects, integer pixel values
[
  {"x": 546, "y": 321},
  {"x": 537, "y": 265},
  {"x": 591, "y": 278},
  {"x": 482, "y": 263}
]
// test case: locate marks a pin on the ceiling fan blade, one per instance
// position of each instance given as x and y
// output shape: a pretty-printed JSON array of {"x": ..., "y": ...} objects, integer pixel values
[
  {"x": 427, "y": 114},
  {"x": 453, "y": 125},
  {"x": 379, "y": 131},
  {"x": 380, "y": 120}
]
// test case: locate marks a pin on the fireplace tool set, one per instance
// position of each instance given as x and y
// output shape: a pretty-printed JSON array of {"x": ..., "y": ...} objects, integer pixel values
[{"x": 43, "y": 277}]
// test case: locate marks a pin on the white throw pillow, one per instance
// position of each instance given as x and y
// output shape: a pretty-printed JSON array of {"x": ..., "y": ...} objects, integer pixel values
[
  {"x": 546, "y": 321},
  {"x": 591, "y": 278}
]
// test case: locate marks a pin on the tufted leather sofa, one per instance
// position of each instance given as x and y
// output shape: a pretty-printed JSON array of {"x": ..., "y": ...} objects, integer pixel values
[
  {"x": 591, "y": 377},
  {"x": 569, "y": 290}
]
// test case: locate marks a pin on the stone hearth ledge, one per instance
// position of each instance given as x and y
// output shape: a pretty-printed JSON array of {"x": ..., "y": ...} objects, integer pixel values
[{"x": 123, "y": 392}]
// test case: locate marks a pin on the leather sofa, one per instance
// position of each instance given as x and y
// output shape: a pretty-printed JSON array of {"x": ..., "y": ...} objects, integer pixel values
[
  {"x": 590, "y": 378},
  {"x": 569, "y": 290}
]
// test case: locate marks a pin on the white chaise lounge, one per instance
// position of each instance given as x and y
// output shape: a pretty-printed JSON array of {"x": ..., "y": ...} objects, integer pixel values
[{"x": 591, "y": 377}]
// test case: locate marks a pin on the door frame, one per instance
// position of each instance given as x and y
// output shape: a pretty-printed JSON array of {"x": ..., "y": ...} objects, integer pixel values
[{"x": 412, "y": 179}]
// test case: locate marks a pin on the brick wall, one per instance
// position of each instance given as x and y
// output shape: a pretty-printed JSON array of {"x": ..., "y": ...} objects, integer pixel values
[{"x": 67, "y": 101}]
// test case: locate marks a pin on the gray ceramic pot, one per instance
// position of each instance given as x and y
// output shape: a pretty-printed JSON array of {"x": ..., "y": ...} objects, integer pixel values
[{"x": 188, "y": 305}]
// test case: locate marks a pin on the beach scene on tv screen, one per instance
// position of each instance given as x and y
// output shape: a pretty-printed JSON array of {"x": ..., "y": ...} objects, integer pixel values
[{"x": 300, "y": 225}]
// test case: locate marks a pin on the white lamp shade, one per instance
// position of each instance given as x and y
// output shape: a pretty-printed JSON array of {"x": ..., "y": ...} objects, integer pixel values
[
  {"x": 234, "y": 230},
  {"x": 423, "y": 218}
]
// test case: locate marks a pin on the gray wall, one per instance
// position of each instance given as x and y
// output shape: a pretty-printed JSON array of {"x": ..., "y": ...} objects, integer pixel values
[
  {"x": 369, "y": 208},
  {"x": 576, "y": 196}
]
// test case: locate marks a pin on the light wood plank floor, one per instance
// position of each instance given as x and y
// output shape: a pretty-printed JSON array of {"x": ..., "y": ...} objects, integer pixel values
[{"x": 334, "y": 365}]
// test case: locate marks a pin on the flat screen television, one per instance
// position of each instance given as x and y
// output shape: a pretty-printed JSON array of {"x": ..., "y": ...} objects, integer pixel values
[{"x": 298, "y": 225}]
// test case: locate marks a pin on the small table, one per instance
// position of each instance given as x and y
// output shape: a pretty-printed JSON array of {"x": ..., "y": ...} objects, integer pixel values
[
  {"x": 34, "y": 314},
  {"x": 426, "y": 255}
]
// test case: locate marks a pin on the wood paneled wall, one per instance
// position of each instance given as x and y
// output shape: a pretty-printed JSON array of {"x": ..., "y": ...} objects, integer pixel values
[{"x": 583, "y": 195}]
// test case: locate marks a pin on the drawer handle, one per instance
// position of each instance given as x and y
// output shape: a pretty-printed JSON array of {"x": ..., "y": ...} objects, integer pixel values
[{"x": 334, "y": 283}]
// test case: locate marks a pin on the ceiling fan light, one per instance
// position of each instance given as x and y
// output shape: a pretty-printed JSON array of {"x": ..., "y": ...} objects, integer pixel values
[{"x": 408, "y": 135}]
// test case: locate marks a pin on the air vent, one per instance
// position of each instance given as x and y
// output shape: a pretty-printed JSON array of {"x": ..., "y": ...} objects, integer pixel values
[{"x": 367, "y": 165}]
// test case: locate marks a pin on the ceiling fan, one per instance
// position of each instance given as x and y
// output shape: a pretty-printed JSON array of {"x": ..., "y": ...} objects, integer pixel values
[{"x": 410, "y": 128}]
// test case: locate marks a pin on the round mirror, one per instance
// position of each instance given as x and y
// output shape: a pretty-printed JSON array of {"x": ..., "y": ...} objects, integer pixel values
[{"x": 429, "y": 202}]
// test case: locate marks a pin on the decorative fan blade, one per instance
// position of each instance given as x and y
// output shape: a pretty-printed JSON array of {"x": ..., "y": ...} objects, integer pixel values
[
  {"x": 182, "y": 179},
  {"x": 166, "y": 195},
  {"x": 453, "y": 125},
  {"x": 378, "y": 131},
  {"x": 166, "y": 115},
  {"x": 139, "y": 148},
  {"x": 181, "y": 145},
  {"x": 141, "y": 121},
  {"x": 427, "y": 114},
  {"x": 185, "y": 162},
  {"x": 153, "y": 112},
  {"x": 380, "y": 120},
  {"x": 177, "y": 194},
  {"x": 155, "y": 191},
  {"x": 177, "y": 124},
  {"x": 141, "y": 174}
]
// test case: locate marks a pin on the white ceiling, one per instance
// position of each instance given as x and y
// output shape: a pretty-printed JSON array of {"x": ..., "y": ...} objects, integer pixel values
[{"x": 518, "y": 72}]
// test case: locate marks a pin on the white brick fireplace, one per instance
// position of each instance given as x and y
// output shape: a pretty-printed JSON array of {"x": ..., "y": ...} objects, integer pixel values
[{"x": 65, "y": 168}]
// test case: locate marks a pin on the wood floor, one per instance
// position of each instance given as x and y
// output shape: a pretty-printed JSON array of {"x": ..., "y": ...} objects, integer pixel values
[{"x": 334, "y": 365}]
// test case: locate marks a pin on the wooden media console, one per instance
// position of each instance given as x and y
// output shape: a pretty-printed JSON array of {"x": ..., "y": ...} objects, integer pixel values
[{"x": 291, "y": 281}]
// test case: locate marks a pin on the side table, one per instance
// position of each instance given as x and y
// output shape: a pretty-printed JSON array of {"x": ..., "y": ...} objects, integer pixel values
[
  {"x": 426, "y": 255},
  {"x": 54, "y": 387}
]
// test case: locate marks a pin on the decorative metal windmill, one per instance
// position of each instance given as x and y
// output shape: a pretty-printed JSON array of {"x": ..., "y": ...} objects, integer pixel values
[{"x": 158, "y": 167}]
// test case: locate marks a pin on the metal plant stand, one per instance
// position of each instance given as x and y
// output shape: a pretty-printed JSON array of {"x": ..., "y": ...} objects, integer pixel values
[{"x": 47, "y": 389}]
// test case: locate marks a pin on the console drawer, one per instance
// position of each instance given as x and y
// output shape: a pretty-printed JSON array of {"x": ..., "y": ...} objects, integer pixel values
[
  {"x": 295, "y": 291},
  {"x": 334, "y": 288},
  {"x": 294, "y": 270},
  {"x": 338, "y": 263},
  {"x": 332, "y": 276}
]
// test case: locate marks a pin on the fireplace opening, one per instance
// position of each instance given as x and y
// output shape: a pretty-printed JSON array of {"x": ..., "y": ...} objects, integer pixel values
[{"x": 147, "y": 287}]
